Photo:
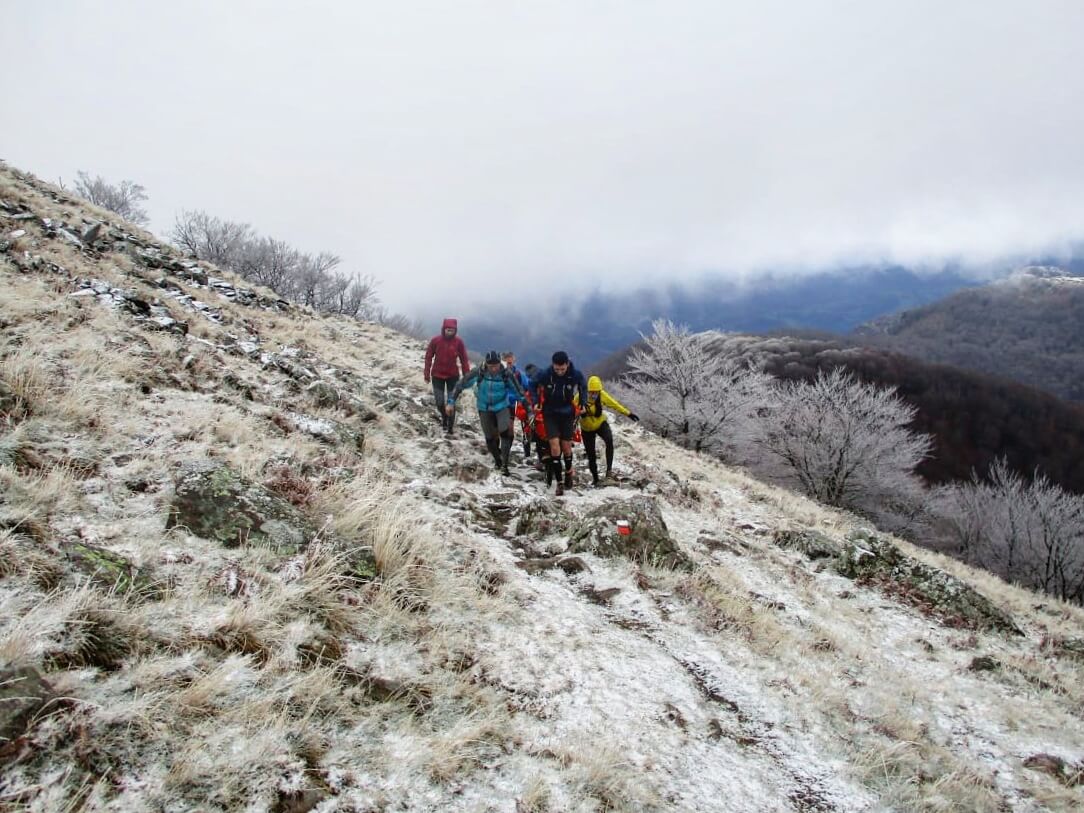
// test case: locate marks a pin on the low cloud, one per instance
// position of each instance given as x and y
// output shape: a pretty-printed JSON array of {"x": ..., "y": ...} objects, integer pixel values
[{"x": 485, "y": 152}]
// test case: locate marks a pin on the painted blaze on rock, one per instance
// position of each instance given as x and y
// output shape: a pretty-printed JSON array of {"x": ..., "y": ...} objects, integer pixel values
[
  {"x": 648, "y": 539},
  {"x": 215, "y": 502}
]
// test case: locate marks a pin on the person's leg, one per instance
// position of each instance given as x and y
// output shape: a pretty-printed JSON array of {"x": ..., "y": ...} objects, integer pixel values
[
  {"x": 450, "y": 383},
  {"x": 592, "y": 458},
  {"x": 439, "y": 399},
  {"x": 488, "y": 421},
  {"x": 553, "y": 432},
  {"x": 505, "y": 428},
  {"x": 566, "y": 448},
  {"x": 607, "y": 436}
]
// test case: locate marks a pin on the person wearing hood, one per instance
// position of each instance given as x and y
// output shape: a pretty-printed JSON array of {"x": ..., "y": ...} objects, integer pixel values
[
  {"x": 593, "y": 424},
  {"x": 558, "y": 387},
  {"x": 444, "y": 357},
  {"x": 493, "y": 382}
]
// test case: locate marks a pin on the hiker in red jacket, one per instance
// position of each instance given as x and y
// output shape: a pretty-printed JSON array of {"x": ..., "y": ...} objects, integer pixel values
[{"x": 441, "y": 357}]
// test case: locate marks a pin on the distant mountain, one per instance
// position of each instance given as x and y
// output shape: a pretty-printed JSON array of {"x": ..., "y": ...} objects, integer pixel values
[
  {"x": 973, "y": 417},
  {"x": 605, "y": 321},
  {"x": 1028, "y": 327}
]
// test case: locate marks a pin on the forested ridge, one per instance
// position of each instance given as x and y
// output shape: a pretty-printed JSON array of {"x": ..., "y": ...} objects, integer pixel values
[{"x": 974, "y": 418}]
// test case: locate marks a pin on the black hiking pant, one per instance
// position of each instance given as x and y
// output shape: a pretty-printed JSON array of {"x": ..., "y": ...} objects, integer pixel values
[
  {"x": 497, "y": 428},
  {"x": 607, "y": 436},
  {"x": 442, "y": 391}
]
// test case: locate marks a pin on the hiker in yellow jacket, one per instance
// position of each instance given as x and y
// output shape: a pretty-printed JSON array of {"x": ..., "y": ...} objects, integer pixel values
[{"x": 593, "y": 422}]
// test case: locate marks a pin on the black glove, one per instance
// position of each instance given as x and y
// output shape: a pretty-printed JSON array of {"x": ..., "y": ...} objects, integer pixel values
[{"x": 634, "y": 417}]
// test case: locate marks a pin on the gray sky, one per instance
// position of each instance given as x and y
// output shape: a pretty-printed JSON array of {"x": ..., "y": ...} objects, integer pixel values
[{"x": 446, "y": 146}]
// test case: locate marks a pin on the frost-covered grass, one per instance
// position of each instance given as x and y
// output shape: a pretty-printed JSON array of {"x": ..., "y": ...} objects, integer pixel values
[{"x": 451, "y": 679}]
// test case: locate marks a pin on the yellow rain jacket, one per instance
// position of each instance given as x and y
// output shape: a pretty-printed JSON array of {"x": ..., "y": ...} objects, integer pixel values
[{"x": 592, "y": 416}]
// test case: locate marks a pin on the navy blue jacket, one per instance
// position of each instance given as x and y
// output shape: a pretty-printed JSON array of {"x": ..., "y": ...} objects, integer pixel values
[{"x": 558, "y": 391}]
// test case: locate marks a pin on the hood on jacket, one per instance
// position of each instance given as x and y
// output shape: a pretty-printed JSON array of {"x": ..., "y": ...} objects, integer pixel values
[
  {"x": 449, "y": 323},
  {"x": 594, "y": 384}
]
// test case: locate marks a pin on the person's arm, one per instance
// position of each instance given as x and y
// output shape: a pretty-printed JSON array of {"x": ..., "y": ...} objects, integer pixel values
[
  {"x": 535, "y": 385},
  {"x": 464, "y": 382},
  {"x": 429, "y": 351},
  {"x": 581, "y": 387},
  {"x": 464, "y": 362},
  {"x": 611, "y": 402},
  {"x": 516, "y": 385}
]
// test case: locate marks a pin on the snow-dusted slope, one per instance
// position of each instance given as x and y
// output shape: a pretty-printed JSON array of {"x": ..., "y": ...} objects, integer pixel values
[{"x": 483, "y": 669}]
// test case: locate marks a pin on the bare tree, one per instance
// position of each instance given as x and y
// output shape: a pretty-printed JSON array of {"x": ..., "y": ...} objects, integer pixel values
[
  {"x": 686, "y": 391},
  {"x": 304, "y": 278},
  {"x": 217, "y": 241},
  {"x": 1029, "y": 532},
  {"x": 403, "y": 324},
  {"x": 124, "y": 198},
  {"x": 844, "y": 443}
]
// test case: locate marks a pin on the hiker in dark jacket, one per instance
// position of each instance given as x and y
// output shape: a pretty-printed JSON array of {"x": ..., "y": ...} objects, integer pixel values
[
  {"x": 441, "y": 358},
  {"x": 560, "y": 387},
  {"x": 518, "y": 403},
  {"x": 492, "y": 383}
]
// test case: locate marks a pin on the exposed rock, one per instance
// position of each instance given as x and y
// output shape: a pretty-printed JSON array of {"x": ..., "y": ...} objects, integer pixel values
[
  {"x": 467, "y": 471},
  {"x": 648, "y": 539},
  {"x": 813, "y": 544},
  {"x": 983, "y": 663},
  {"x": 23, "y": 693},
  {"x": 326, "y": 430},
  {"x": 569, "y": 564},
  {"x": 870, "y": 559},
  {"x": 111, "y": 570},
  {"x": 541, "y": 518},
  {"x": 214, "y": 502},
  {"x": 1072, "y": 648},
  {"x": 1064, "y": 772}
]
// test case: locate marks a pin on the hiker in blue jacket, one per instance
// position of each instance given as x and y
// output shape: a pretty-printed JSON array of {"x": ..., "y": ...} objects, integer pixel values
[
  {"x": 492, "y": 383},
  {"x": 560, "y": 387}
]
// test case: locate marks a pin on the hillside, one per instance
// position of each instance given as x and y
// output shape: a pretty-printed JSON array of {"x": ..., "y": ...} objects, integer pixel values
[
  {"x": 1026, "y": 328},
  {"x": 240, "y": 568},
  {"x": 973, "y": 418}
]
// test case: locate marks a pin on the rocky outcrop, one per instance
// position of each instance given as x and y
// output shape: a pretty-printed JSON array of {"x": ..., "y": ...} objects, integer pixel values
[
  {"x": 869, "y": 559},
  {"x": 212, "y": 501},
  {"x": 647, "y": 540},
  {"x": 111, "y": 570}
]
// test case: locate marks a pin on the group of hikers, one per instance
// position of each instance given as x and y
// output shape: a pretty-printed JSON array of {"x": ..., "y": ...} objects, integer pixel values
[{"x": 554, "y": 406}]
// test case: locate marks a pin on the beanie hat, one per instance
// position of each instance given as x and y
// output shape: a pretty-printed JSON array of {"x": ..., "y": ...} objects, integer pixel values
[{"x": 560, "y": 357}]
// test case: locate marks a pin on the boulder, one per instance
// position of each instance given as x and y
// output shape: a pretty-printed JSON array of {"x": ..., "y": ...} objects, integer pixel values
[
  {"x": 111, "y": 570},
  {"x": 870, "y": 559},
  {"x": 23, "y": 693},
  {"x": 541, "y": 518},
  {"x": 813, "y": 544},
  {"x": 215, "y": 502},
  {"x": 648, "y": 539},
  {"x": 326, "y": 430}
]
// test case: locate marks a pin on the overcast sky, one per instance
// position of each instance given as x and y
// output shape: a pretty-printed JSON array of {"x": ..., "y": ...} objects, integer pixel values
[{"x": 447, "y": 147}]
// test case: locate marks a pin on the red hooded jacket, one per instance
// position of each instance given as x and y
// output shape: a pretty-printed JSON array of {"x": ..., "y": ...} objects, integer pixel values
[{"x": 442, "y": 353}]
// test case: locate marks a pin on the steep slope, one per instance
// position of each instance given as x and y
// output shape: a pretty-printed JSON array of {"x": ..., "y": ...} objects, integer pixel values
[
  {"x": 1026, "y": 328},
  {"x": 241, "y": 568}
]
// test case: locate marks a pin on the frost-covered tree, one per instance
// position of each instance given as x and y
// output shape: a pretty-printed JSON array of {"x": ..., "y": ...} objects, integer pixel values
[
  {"x": 843, "y": 442},
  {"x": 308, "y": 279},
  {"x": 1029, "y": 532},
  {"x": 685, "y": 391},
  {"x": 125, "y": 198},
  {"x": 209, "y": 238}
]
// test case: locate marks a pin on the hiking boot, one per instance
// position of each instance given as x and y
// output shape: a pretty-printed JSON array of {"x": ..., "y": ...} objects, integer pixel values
[
  {"x": 568, "y": 478},
  {"x": 505, "y": 471},
  {"x": 560, "y": 489}
]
